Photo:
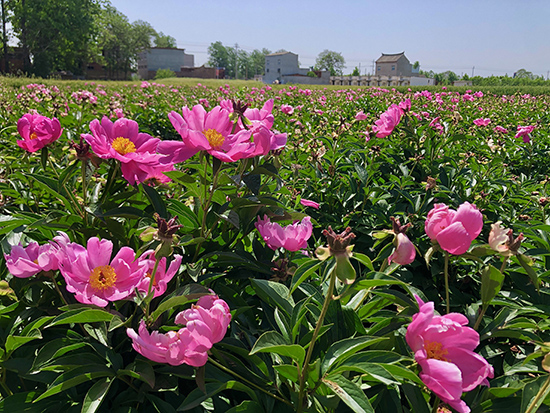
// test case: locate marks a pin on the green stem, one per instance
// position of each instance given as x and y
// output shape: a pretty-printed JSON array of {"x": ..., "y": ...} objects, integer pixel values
[
  {"x": 3, "y": 383},
  {"x": 250, "y": 383},
  {"x": 84, "y": 189},
  {"x": 542, "y": 393},
  {"x": 58, "y": 290},
  {"x": 150, "y": 295},
  {"x": 446, "y": 270},
  {"x": 436, "y": 404},
  {"x": 305, "y": 367}
]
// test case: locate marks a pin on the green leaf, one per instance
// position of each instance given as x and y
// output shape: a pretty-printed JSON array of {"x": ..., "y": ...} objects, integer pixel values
[
  {"x": 14, "y": 342},
  {"x": 156, "y": 200},
  {"x": 349, "y": 393},
  {"x": 82, "y": 315},
  {"x": 189, "y": 293},
  {"x": 341, "y": 350},
  {"x": 534, "y": 394},
  {"x": 273, "y": 342},
  {"x": 491, "y": 283},
  {"x": 288, "y": 371},
  {"x": 197, "y": 396},
  {"x": 54, "y": 349},
  {"x": 140, "y": 370},
  {"x": 524, "y": 261},
  {"x": 247, "y": 406},
  {"x": 275, "y": 294},
  {"x": 160, "y": 405},
  {"x": 363, "y": 259},
  {"x": 416, "y": 398},
  {"x": 303, "y": 272},
  {"x": 75, "y": 377},
  {"x": 95, "y": 395}
]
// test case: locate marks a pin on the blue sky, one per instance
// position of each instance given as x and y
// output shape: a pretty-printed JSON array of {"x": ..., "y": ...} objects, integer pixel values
[{"x": 494, "y": 36}]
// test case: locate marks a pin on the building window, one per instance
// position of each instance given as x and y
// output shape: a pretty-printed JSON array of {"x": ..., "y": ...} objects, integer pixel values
[
  {"x": 278, "y": 61},
  {"x": 392, "y": 67},
  {"x": 279, "y": 70},
  {"x": 267, "y": 70},
  {"x": 379, "y": 68}
]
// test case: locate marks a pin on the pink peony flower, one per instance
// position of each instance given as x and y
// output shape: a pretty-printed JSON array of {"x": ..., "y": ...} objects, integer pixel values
[
  {"x": 405, "y": 252},
  {"x": 163, "y": 275},
  {"x": 24, "y": 262},
  {"x": 292, "y": 237},
  {"x": 360, "y": 115},
  {"x": 206, "y": 131},
  {"x": 523, "y": 132},
  {"x": 205, "y": 324},
  {"x": 388, "y": 121},
  {"x": 405, "y": 105},
  {"x": 121, "y": 140},
  {"x": 500, "y": 129},
  {"x": 187, "y": 345},
  {"x": 308, "y": 203},
  {"x": 96, "y": 279},
  {"x": 482, "y": 122},
  {"x": 444, "y": 348},
  {"x": 454, "y": 230},
  {"x": 37, "y": 131},
  {"x": 287, "y": 109}
]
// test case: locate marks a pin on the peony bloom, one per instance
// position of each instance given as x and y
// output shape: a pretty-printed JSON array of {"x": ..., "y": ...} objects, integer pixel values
[
  {"x": 404, "y": 252},
  {"x": 206, "y": 131},
  {"x": 121, "y": 140},
  {"x": 205, "y": 324},
  {"x": 308, "y": 203},
  {"x": 523, "y": 132},
  {"x": 405, "y": 105},
  {"x": 360, "y": 115},
  {"x": 388, "y": 121},
  {"x": 454, "y": 230},
  {"x": 37, "y": 131},
  {"x": 482, "y": 122},
  {"x": 444, "y": 348},
  {"x": 163, "y": 275},
  {"x": 287, "y": 109},
  {"x": 96, "y": 279},
  {"x": 292, "y": 237},
  {"x": 502, "y": 240},
  {"x": 500, "y": 129},
  {"x": 24, "y": 262}
]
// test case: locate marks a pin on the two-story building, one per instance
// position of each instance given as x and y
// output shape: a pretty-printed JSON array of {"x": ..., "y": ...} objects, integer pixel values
[
  {"x": 393, "y": 65},
  {"x": 283, "y": 67},
  {"x": 157, "y": 58}
]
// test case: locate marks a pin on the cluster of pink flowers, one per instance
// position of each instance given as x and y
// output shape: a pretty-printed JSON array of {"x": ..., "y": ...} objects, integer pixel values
[
  {"x": 482, "y": 122},
  {"x": 37, "y": 131},
  {"x": 453, "y": 230},
  {"x": 89, "y": 272},
  {"x": 524, "y": 133},
  {"x": 292, "y": 237},
  {"x": 136, "y": 152},
  {"x": 216, "y": 133},
  {"x": 444, "y": 348},
  {"x": 204, "y": 325}
]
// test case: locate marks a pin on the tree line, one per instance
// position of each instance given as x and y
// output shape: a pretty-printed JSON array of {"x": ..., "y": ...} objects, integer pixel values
[{"x": 66, "y": 35}]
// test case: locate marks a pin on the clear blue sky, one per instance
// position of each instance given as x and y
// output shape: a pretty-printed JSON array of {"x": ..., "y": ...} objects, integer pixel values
[{"x": 494, "y": 36}]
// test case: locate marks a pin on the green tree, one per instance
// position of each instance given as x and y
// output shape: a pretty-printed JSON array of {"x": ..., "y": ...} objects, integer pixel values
[
  {"x": 356, "y": 72},
  {"x": 416, "y": 65},
  {"x": 165, "y": 40},
  {"x": 257, "y": 61},
  {"x": 54, "y": 34},
  {"x": 332, "y": 61},
  {"x": 218, "y": 56}
]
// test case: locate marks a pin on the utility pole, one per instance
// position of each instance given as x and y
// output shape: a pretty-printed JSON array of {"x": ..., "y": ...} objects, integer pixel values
[
  {"x": 373, "y": 67},
  {"x": 359, "y": 68},
  {"x": 547, "y": 73},
  {"x": 236, "y": 60},
  {"x": 473, "y": 67}
]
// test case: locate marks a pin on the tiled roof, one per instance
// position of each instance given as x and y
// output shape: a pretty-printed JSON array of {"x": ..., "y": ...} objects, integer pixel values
[
  {"x": 279, "y": 53},
  {"x": 390, "y": 58}
]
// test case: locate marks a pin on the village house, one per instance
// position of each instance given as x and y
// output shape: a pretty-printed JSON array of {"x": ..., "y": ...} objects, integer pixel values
[
  {"x": 283, "y": 67},
  {"x": 157, "y": 58},
  {"x": 393, "y": 65}
]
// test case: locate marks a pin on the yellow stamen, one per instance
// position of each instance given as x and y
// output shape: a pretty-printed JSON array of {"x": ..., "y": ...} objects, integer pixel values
[
  {"x": 33, "y": 136},
  {"x": 435, "y": 350},
  {"x": 102, "y": 277},
  {"x": 123, "y": 145},
  {"x": 215, "y": 138}
]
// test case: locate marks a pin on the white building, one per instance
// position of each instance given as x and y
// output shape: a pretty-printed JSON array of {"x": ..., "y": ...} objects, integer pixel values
[{"x": 157, "y": 58}]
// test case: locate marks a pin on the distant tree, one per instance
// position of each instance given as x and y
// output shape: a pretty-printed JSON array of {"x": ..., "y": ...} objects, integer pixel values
[
  {"x": 332, "y": 61},
  {"x": 54, "y": 34},
  {"x": 356, "y": 72},
  {"x": 142, "y": 35},
  {"x": 218, "y": 56},
  {"x": 164, "y": 74},
  {"x": 257, "y": 61},
  {"x": 281, "y": 51},
  {"x": 165, "y": 40},
  {"x": 416, "y": 65},
  {"x": 524, "y": 74}
]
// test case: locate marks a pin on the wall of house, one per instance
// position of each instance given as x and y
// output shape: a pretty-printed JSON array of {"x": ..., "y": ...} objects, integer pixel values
[
  {"x": 402, "y": 67},
  {"x": 278, "y": 65},
  {"x": 381, "y": 81},
  {"x": 303, "y": 79}
]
